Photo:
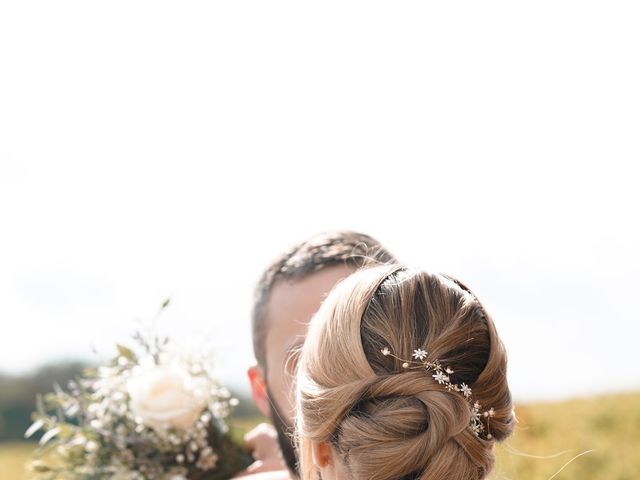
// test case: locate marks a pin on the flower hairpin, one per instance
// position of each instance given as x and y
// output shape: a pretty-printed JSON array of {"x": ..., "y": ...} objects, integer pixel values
[{"x": 441, "y": 374}]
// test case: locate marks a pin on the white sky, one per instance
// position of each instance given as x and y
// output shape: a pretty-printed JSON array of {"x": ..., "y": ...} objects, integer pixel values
[{"x": 154, "y": 149}]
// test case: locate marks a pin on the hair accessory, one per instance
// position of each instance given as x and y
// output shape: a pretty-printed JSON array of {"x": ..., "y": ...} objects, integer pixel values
[{"x": 441, "y": 375}]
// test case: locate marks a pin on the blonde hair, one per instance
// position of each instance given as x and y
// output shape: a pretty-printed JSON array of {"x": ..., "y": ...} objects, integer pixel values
[{"x": 383, "y": 421}]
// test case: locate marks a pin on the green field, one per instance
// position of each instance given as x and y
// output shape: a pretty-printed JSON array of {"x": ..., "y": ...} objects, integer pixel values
[
  {"x": 548, "y": 435},
  {"x": 12, "y": 460},
  {"x": 609, "y": 425}
]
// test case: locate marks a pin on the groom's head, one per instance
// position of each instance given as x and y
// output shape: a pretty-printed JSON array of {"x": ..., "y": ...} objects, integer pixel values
[{"x": 289, "y": 292}]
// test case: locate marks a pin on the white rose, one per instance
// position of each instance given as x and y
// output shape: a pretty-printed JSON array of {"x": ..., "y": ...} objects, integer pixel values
[
  {"x": 178, "y": 473},
  {"x": 165, "y": 396}
]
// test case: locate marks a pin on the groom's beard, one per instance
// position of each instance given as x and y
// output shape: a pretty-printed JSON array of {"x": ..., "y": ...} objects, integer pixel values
[{"x": 285, "y": 436}]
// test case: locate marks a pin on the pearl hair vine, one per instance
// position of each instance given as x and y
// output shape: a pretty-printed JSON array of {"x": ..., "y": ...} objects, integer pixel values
[{"x": 441, "y": 375}]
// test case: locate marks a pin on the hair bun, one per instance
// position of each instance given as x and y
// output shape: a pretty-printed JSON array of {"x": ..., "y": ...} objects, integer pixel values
[
  {"x": 392, "y": 418},
  {"x": 405, "y": 420}
]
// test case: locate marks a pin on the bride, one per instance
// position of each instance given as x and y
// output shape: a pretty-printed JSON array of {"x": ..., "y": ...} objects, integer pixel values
[{"x": 402, "y": 377}]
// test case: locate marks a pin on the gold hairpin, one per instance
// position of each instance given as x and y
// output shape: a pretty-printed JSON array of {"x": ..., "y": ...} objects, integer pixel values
[{"x": 442, "y": 376}]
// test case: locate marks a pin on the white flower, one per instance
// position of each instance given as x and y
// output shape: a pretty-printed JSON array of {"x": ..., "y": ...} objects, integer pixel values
[
  {"x": 91, "y": 446},
  {"x": 420, "y": 354},
  {"x": 122, "y": 473},
  {"x": 118, "y": 396},
  {"x": 177, "y": 473},
  {"x": 465, "y": 389},
  {"x": 477, "y": 428},
  {"x": 165, "y": 396},
  {"x": 440, "y": 377}
]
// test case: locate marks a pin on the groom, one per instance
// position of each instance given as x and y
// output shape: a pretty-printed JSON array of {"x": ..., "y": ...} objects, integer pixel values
[{"x": 289, "y": 292}]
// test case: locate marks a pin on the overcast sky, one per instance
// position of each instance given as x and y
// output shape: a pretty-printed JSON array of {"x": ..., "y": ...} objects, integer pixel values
[{"x": 166, "y": 149}]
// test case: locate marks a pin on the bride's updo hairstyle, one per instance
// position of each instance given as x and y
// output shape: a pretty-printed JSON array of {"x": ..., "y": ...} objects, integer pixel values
[{"x": 384, "y": 419}]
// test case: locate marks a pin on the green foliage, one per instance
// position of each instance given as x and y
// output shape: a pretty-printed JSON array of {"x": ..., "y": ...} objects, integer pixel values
[
  {"x": 127, "y": 353},
  {"x": 608, "y": 424},
  {"x": 13, "y": 460},
  {"x": 557, "y": 432},
  {"x": 115, "y": 420},
  {"x": 18, "y": 396}
]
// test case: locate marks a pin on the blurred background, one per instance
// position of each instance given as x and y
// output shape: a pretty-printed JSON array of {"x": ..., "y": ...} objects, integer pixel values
[{"x": 154, "y": 150}]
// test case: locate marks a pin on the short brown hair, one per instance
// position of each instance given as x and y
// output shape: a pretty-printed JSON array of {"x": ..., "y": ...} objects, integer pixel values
[{"x": 340, "y": 247}]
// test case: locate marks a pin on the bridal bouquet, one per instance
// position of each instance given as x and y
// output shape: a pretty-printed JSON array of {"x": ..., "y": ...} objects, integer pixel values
[{"x": 147, "y": 414}]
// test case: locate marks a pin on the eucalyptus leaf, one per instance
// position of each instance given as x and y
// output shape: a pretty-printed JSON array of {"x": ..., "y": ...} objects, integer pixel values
[
  {"x": 58, "y": 389},
  {"x": 40, "y": 405},
  {"x": 49, "y": 435},
  {"x": 60, "y": 412},
  {"x": 35, "y": 426},
  {"x": 72, "y": 410},
  {"x": 65, "y": 430},
  {"x": 40, "y": 467},
  {"x": 126, "y": 352}
]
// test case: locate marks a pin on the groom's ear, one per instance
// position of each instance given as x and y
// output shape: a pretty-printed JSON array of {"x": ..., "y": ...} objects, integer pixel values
[{"x": 259, "y": 389}]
